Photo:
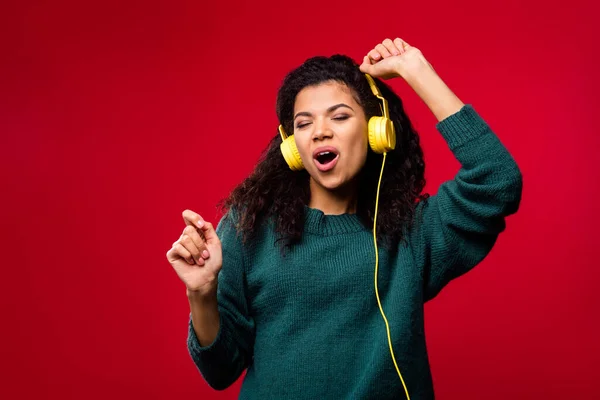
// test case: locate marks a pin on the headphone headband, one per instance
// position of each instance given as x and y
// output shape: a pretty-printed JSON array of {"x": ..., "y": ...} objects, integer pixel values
[
  {"x": 282, "y": 133},
  {"x": 384, "y": 109}
]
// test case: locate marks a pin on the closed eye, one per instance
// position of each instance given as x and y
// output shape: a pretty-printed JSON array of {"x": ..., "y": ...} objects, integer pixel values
[{"x": 337, "y": 118}]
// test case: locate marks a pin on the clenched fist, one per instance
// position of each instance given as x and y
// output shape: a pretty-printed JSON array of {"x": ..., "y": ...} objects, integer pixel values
[{"x": 392, "y": 58}]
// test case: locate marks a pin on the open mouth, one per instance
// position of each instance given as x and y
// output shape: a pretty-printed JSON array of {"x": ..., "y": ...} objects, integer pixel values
[{"x": 326, "y": 158}]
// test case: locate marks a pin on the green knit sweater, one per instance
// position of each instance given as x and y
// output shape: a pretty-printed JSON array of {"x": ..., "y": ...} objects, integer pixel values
[{"x": 307, "y": 325}]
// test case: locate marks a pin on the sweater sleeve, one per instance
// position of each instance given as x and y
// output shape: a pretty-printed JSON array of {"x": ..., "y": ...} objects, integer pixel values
[
  {"x": 223, "y": 361},
  {"x": 457, "y": 228}
]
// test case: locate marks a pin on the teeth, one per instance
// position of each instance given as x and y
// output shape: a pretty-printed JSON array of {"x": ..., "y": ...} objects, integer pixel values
[{"x": 323, "y": 153}]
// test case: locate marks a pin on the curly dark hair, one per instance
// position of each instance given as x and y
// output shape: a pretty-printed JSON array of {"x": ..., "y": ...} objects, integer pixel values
[{"x": 274, "y": 192}]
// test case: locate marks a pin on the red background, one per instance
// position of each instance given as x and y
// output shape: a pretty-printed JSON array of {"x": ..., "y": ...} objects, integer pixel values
[{"x": 116, "y": 116}]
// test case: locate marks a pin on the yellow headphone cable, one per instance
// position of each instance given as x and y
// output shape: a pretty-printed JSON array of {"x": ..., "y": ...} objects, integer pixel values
[{"x": 387, "y": 326}]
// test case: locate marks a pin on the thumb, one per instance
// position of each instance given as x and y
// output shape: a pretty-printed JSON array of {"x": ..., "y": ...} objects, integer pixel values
[
  {"x": 208, "y": 231},
  {"x": 366, "y": 67}
]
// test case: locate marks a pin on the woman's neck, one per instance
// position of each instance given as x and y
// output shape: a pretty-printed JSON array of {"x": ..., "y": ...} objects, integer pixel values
[{"x": 341, "y": 201}]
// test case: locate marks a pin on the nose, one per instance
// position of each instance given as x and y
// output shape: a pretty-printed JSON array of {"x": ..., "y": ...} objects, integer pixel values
[{"x": 321, "y": 131}]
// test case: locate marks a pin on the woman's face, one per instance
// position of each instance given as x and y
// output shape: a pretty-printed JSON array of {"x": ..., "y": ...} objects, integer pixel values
[{"x": 330, "y": 130}]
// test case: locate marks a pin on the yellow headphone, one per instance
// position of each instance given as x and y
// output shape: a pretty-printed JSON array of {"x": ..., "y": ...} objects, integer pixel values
[{"x": 382, "y": 138}]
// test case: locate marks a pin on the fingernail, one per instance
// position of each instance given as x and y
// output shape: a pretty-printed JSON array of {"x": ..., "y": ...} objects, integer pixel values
[
  {"x": 200, "y": 223},
  {"x": 205, "y": 254},
  {"x": 200, "y": 261}
]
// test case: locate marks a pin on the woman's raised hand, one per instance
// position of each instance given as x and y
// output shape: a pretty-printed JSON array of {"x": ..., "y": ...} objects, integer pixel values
[{"x": 392, "y": 58}]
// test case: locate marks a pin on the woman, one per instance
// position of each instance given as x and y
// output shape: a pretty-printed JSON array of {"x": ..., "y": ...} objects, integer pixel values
[{"x": 284, "y": 286}]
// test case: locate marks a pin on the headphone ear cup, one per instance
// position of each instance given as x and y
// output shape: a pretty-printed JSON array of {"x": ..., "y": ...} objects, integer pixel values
[
  {"x": 291, "y": 154},
  {"x": 382, "y": 137}
]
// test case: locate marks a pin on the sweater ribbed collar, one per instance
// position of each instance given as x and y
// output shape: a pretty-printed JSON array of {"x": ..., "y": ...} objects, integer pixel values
[{"x": 317, "y": 222}]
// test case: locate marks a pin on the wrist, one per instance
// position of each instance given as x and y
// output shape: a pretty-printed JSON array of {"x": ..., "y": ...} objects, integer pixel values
[
  {"x": 419, "y": 74},
  {"x": 203, "y": 296}
]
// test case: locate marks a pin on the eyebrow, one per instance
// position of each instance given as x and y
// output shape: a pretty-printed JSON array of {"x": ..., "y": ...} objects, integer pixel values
[{"x": 330, "y": 109}]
